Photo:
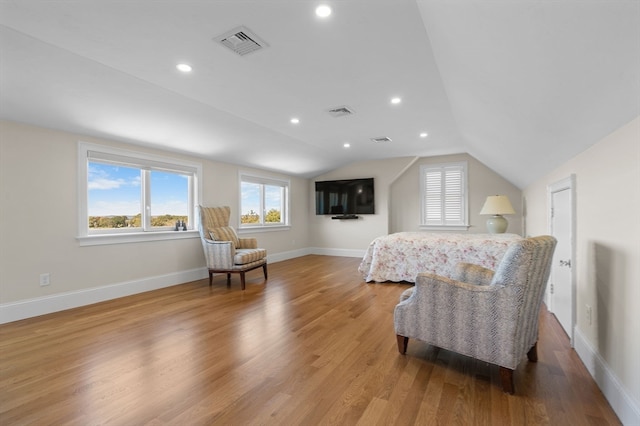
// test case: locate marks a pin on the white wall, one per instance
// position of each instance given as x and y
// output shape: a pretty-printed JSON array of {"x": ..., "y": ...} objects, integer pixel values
[
  {"x": 607, "y": 260},
  {"x": 351, "y": 237},
  {"x": 482, "y": 182},
  {"x": 38, "y": 226}
]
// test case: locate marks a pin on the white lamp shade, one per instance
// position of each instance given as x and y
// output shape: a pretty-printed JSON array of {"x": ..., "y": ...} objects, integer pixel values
[{"x": 497, "y": 204}]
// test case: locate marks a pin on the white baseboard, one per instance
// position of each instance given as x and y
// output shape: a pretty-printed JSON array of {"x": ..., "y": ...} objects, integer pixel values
[
  {"x": 278, "y": 257},
  {"x": 286, "y": 255},
  {"x": 337, "y": 252},
  {"x": 621, "y": 401},
  {"x": 28, "y": 308}
]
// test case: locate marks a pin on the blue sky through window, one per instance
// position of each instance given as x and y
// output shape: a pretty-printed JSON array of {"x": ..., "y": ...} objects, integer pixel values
[
  {"x": 115, "y": 191},
  {"x": 250, "y": 197},
  {"x": 273, "y": 197}
]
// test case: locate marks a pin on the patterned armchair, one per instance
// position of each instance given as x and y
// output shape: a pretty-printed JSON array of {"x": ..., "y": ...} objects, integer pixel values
[
  {"x": 223, "y": 250},
  {"x": 490, "y": 316}
]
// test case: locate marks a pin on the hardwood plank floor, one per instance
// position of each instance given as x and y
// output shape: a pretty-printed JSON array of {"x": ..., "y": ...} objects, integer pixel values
[{"x": 315, "y": 345}]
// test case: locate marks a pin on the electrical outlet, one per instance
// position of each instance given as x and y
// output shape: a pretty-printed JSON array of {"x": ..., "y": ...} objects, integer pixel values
[
  {"x": 45, "y": 279},
  {"x": 589, "y": 317}
]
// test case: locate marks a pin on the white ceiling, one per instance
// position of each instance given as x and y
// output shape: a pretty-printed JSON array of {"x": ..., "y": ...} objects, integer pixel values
[{"x": 520, "y": 85}]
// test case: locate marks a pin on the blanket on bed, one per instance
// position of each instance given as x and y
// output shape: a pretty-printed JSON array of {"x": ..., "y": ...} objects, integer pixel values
[{"x": 401, "y": 256}]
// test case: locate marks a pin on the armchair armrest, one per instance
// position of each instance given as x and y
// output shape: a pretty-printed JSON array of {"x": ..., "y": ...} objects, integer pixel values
[{"x": 218, "y": 254}]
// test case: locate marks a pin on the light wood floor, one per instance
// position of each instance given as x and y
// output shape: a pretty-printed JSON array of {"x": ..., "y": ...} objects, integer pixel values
[{"x": 315, "y": 345}]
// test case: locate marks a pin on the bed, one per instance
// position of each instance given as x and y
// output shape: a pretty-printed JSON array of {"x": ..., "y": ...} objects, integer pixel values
[{"x": 401, "y": 256}]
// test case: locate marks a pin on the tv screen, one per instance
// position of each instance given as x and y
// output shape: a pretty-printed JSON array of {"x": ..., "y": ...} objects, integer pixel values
[{"x": 345, "y": 197}]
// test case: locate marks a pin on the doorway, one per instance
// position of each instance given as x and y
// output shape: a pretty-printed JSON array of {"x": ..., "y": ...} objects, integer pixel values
[{"x": 561, "y": 288}]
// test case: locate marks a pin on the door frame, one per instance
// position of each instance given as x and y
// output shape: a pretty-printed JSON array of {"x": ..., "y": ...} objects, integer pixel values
[{"x": 567, "y": 183}]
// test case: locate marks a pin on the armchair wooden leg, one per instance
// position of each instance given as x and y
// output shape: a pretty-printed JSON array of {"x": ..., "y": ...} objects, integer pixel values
[
  {"x": 210, "y": 278},
  {"x": 264, "y": 269},
  {"x": 533, "y": 353},
  {"x": 506, "y": 376},
  {"x": 228, "y": 280},
  {"x": 242, "y": 279},
  {"x": 402, "y": 343}
]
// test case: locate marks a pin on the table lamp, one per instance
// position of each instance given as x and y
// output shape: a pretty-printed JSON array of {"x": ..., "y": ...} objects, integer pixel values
[{"x": 496, "y": 206}]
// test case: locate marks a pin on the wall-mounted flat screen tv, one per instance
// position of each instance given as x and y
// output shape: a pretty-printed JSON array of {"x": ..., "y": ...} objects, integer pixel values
[{"x": 345, "y": 197}]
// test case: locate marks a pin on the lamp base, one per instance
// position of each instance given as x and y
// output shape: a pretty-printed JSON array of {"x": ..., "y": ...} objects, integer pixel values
[{"x": 497, "y": 224}]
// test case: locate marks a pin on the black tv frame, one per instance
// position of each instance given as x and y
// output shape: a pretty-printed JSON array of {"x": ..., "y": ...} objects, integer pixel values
[{"x": 357, "y": 196}]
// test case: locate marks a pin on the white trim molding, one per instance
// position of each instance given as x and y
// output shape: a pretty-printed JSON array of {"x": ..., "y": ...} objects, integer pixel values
[
  {"x": 15, "y": 311},
  {"x": 337, "y": 252},
  {"x": 623, "y": 404},
  {"x": 286, "y": 255},
  {"x": 568, "y": 183}
]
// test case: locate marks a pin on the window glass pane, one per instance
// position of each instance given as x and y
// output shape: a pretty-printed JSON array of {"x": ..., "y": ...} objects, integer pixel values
[
  {"x": 250, "y": 208},
  {"x": 113, "y": 194},
  {"x": 273, "y": 199},
  {"x": 169, "y": 198}
]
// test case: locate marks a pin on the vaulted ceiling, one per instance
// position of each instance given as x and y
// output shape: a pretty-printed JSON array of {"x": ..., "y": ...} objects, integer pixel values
[{"x": 521, "y": 85}]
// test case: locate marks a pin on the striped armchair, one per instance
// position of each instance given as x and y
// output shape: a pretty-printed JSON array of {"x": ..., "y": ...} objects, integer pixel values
[
  {"x": 223, "y": 250},
  {"x": 487, "y": 315}
]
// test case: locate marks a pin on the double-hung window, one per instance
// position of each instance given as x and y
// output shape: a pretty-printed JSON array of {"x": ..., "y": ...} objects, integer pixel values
[
  {"x": 444, "y": 197},
  {"x": 264, "y": 202},
  {"x": 124, "y": 193}
]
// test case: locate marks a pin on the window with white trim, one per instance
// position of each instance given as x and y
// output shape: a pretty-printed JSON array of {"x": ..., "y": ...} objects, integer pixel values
[
  {"x": 264, "y": 202},
  {"x": 444, "y": 197},
  {"x": 126, "y": 192}
]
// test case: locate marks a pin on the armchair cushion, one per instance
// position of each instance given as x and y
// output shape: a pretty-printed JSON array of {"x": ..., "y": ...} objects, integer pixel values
[
  {"x": 247, "y": 243},
  {"x": 224, "y": 233},
  {"x": 244, "y": 256},
  {"x": 465, "y": 272},
  {"x": 470, "y": 273}
]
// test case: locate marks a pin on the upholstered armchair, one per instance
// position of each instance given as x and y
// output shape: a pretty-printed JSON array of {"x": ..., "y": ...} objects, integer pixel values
[
  {"x": 223, "y": 250},
  {"x": 487, "y": 315}
]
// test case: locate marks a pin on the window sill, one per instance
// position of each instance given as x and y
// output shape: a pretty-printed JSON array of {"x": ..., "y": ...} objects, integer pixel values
[
  {"x": 135, "y": 237},
  {"x": 250, "y": 230},
  {"x": 445, "y": 228}
]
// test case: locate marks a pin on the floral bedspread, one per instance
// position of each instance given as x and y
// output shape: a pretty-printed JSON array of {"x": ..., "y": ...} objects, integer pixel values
[{"x": 401, "y": 256}]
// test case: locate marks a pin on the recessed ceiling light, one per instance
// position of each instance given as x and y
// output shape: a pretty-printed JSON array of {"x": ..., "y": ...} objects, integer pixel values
[
  {"x": 396, "y": 101},
  {"x": 184, "y": 67},
  {"x": 424, "y": 134},
  {"x": 295, "y": 121},
  {"x": 347, "y": 145},
  {"x": 323, "y": 11}
]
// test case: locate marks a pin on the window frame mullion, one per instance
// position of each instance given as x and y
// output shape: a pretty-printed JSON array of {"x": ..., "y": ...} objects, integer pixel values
[
  {"x": 262, "y": 205},
  {"x": 145, "y": 198}
]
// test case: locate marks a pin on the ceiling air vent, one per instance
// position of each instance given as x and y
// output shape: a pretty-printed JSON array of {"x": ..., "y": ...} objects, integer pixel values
[
  {"x": 381, "y": 139},
  {"x": 340, "y": 111},
  {"x": 241, "y": 40}
]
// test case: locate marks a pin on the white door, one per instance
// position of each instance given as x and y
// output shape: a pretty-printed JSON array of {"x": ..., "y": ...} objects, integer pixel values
[{"x": 561, "y": 292}]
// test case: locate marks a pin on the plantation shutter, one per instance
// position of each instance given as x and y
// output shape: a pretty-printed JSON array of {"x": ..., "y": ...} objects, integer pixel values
[{"x": 444, "y": 195}]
